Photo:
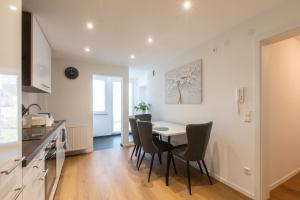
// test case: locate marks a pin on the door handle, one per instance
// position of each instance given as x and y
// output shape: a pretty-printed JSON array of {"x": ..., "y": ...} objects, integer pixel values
[
  {"x": 44, "y": 175},
  {"x": 18, "y": 192},
  {"x": 17, "y": 163}
]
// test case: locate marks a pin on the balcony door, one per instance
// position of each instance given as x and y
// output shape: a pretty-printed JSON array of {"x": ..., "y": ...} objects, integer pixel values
[{"x": 107, "y": 105}]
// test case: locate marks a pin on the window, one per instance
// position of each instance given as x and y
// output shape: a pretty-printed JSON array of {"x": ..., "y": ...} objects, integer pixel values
[
  {"x": 143, "y": 93},
  {"x": 8, "y": 109},
  {"x": 99, "y": 96}
]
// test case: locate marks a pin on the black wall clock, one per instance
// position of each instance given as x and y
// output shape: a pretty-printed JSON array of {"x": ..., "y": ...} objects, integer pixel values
[{"x": 71, "y": 72}]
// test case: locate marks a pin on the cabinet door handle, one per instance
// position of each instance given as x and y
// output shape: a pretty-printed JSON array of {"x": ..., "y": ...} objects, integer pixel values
[
  {"x": 17, "y": 163},
  {"x": 44, "y": 175},
  {"x": 18, "y": 192},
  {"x": 46, "y": 86}
]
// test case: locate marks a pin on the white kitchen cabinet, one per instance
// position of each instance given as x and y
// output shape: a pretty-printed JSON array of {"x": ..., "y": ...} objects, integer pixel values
[
  {"x": 34, "y": 178},
  {"x": 36, "y": 56},
  {"x": 10, "y": 72},
  {"x": 41, "y": 58}
]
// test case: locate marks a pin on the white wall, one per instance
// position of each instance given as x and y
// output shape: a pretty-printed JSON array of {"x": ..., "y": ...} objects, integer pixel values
[
  {"x": 228, "y": 63},
  {"x": 281, "y": 108},
  {"x": 39, "y": 98},
  {"x": 72, "y": 99}
]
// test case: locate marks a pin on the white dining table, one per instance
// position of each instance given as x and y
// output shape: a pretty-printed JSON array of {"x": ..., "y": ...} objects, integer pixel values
[{"x": 173, "y": 129}]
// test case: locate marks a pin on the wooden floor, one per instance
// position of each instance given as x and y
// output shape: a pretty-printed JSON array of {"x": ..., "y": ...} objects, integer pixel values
[
  {"x": 290, "y": 190},
  {"x": 110, "y": 175}
]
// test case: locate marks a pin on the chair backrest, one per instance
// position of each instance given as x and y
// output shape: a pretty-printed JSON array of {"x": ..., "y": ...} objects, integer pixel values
[
  {"x": 146, "y": 137},
  {"x": 144, "y": 117},
  {"x": 198, "y": 137},
  {"x": 134, "y": 131}
]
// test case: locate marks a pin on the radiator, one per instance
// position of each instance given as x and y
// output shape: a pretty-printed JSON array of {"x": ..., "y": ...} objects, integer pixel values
[{"x": 77, "y": 138}]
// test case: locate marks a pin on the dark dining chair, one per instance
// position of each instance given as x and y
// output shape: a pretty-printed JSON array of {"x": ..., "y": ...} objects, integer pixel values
[
  {"x": 198, "y": 137},
  {"x": 136, "y": 139},
  {"x": 144, "y": 117},
  {"x": 152, "y": 145}
]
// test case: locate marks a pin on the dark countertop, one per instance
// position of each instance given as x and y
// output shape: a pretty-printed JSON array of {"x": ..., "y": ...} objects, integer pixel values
[{"x": 30, "y": 148}]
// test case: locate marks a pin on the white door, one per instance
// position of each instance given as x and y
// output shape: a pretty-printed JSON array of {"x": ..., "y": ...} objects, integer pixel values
[{"x": 10, "y": 93}]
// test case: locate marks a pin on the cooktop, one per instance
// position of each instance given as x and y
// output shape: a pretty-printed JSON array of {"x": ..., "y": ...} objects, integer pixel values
[{"x": 35, "y": 133}]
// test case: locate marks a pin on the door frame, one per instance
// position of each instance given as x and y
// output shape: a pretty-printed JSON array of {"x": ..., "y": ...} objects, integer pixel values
[
  {"x": 124, "y": 129},
  {"x": 261, "y": 165},
  {"x": 112, "y": 103}
]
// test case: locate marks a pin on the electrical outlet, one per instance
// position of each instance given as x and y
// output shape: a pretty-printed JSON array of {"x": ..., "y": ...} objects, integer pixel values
[{"x": 247, "y": 171}]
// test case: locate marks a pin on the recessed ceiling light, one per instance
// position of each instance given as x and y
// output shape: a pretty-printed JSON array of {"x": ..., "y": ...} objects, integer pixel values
[
  {"x": 13, "y": 7},
  {"x": 150, "y": 40},
  {"x": 90, "y": 25},
  {"x": 87, "y": 49},
  {"x": 187, "y": 5},
  {"x": 132, "y": 56}
]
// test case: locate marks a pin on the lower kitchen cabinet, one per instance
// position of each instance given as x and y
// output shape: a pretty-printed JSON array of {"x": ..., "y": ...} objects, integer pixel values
[
  {"x": 42, "y": 173},
  {"x": 34, "y": 178}
]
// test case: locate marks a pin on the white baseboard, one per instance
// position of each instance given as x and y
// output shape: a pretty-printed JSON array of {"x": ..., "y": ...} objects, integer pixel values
[
  {"x": 234, "y": 186},
  {"x": 284, "y": 179},
  {"x": 229, "y": 184}
]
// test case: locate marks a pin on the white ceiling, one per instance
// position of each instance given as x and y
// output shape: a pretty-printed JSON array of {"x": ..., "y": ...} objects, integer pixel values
[{"x": 122, "y": 26}]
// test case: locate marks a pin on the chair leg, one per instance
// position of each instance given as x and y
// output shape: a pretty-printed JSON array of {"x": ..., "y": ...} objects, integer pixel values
[
  {"x": 189, "y": 176},
  {"x": 168, "y": 168},
  {"x": 169, "y": 139},
  {"x": 132, "y": 152},
  {"x": 206, "y": 172},
  {"x": 173, "y": 161},
  {"x": 141, "y": 160},
  {"x": 199, "y": 164},
  {"x": 151, "y": 165},
  {"x": 137, "y": 150},
  {"x": 139, "y": 154},
  {"x": 159, "y": 157}
]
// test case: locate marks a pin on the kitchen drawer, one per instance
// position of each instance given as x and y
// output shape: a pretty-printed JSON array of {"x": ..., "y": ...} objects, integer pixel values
[
  {"x": 10, "y": 183},
  {"x": 32, "y": 171},
  {"x": 36, "y": 190},
  {"x": 32, "y": 178}
]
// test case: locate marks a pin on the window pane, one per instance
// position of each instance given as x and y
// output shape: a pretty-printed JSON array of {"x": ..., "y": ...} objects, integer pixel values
[
  {"x": 8, "y": 108},
  {"x": 99, "y": 96},
  {"x": 117, "y": 103}
]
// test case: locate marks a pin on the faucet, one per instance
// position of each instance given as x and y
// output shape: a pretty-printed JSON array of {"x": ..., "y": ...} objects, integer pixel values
[{"x": 26, "y": 110}]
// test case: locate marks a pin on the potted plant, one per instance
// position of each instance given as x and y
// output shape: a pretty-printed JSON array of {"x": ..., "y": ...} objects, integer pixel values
[{"x": 142, "y": 107}]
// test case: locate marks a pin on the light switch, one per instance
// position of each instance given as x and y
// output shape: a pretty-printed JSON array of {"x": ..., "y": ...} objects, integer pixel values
[{"x": 247, "y": 116}]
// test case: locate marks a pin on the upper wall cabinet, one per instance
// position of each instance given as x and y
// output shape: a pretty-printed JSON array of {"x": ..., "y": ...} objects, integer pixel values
[{"x": 36, "y": 57}]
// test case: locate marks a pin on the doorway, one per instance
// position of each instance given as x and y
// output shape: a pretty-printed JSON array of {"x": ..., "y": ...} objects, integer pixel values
[
  {"x": 107, "y": 111},
  {"x": 280, "y": 112}
]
